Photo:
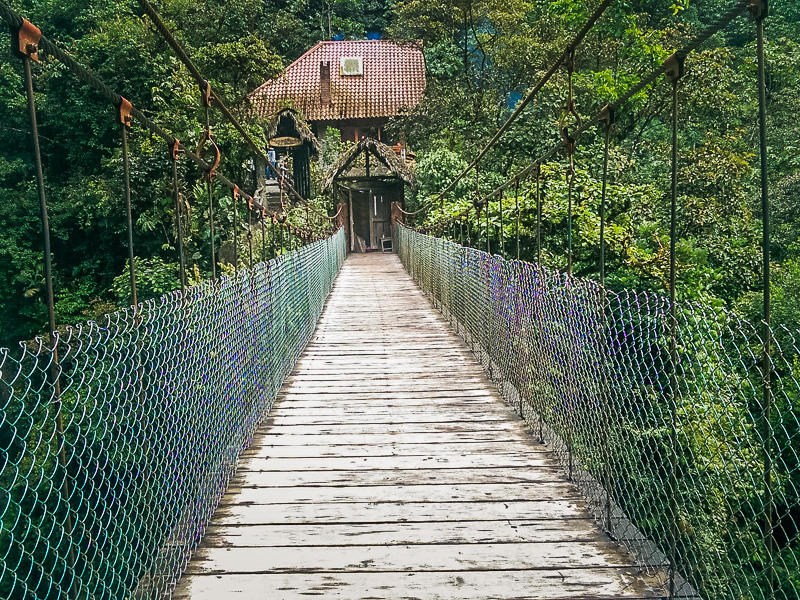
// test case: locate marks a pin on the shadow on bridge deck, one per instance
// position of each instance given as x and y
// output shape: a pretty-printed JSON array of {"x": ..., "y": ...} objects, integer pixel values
[{"x": 391, "y": 468}]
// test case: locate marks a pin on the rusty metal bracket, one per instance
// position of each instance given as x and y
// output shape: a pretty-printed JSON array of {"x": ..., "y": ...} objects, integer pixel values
[
  {"x": 674, "y": 69},
  {"x": 208, "y": 137},
  {"x": 570, "y": 143},
  {"x": 27, "y": 43},
  {"x": 758, "y": 9},
  {"x": 124, "y": 111},
  {"x": 205, "y": 93},
  {"x": 176, "y": 149},
  {"x": 263, "y": 213},
  {"x": 607, "y": 116},
  {"x": 235, "y": 192},
  {"x": 249, "y": 203},
  {"x": 477, "y": 202}
]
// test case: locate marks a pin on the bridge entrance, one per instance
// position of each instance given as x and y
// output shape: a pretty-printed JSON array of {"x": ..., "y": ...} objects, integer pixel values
[
  {"x": 370, "y": 215},
  {"x": 367, "y": 180}
]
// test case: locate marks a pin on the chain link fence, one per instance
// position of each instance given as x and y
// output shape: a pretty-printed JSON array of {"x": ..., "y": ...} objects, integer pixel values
[
  {"x": 116, "y": 448},
  {"x": 699, "y": 471}
]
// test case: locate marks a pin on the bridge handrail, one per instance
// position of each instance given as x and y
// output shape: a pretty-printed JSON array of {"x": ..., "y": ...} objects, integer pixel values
[
  {"x": 156, "y": 405},
  {"x": 690, "y": 472}
]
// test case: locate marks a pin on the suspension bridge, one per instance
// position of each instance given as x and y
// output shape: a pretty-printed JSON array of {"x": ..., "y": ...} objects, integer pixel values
[
  {"x": 390, "y": 467},
  {"x": 439, "y": 422}
]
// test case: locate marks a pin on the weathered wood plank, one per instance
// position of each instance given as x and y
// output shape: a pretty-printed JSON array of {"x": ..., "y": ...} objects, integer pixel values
[
  {"x": 390, "y": 462},
  {"x": 567, "y": 584},
  {"x": 394, "y": 428},
  {"x": 425, "y": 395},
  {"x": 434, "y": 557},
  {"x": 382, "y": 439},
  {"x": 384, "y": 534},
  {"x": 255, "y": 494},
  {"x": 309, "y": 450},
  {"x": 424, "y": 474},
  {"x": 434, "y": 418},
  {"x": 398, "y": 512}
]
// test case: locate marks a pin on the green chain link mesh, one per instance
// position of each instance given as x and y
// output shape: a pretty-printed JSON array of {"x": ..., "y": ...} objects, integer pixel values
[
  {"x": 107, "y": 487},
  {"x": 589, "y": 370}
]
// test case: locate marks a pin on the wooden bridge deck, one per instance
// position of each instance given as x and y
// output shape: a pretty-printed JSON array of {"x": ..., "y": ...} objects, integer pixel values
[{"x": 391, "y": 468}]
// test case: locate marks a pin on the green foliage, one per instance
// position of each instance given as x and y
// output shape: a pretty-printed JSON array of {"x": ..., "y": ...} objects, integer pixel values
[
  {"x": 474, "y": 80},
  {"x": 237, "y": 44},
  {"x": 154, "y": 278}
]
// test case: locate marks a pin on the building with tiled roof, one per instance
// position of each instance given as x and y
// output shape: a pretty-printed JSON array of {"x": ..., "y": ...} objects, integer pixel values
[{"x": 354, "y": 86}]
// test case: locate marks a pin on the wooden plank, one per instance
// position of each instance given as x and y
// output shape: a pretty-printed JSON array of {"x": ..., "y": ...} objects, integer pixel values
[
  {"x": 382, "y": 439},
  {"x": 398, "y": 512},
  {"x": 407, "y": 397},
  {"x": 308, "y": 450},
  {"x": 401, "y": 427},
  {"x": 452, "y": 385},
  {"x": 430, "y": 390},
  {"x": 258, "y": 492},
  {"x": 319, "y": 535},
  {"x": 434, "y": 557},
  {"x": 424, "y": 474},
  {"x": 568, "y": 584},
  {"x": 395, "y": 413},
  {"x": 436, "y": 463},
  {"x": 313, "y": 418},
  {"x": 376, "y": 373}
]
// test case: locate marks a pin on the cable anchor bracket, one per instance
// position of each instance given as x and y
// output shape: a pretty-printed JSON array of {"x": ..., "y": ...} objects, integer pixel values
[
  {"x": 674, "y": 67},
  {"x": 206, "y": 94},
  {"x": 175, "y": 149},
  {"x": 27, "y": 43},
  {"x": 607, "y": 116},
  {"x": 124, "y": 111},
  {"x": 758, "y": 9}
]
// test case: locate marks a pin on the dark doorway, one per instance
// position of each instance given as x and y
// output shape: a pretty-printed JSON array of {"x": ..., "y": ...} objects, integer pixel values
[{"x": 371, "y": 213}]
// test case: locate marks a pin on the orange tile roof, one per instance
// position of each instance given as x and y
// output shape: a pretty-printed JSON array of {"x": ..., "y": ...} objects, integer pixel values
[{"x": 393, "y": 82}]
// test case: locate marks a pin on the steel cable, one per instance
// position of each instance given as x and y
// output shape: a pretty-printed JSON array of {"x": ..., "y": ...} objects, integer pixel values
[{"x": 735, "y": 10}]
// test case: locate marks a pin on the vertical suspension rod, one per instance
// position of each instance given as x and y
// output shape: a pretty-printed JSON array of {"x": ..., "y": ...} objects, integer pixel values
[
  {"x": 758, "y": 10},
  {"x": 516, "y": 205},
  {"x": 250, "y": 235},
  {"x": 263, "y": 237},
  {"x": 126, "y": 178},
  {"x": 674, "y": 74},
  {"x": 502, "y": 233},
  {"x": 538, "y": 216},
  {"x": 210, "y": 185},
  {"x": 235, "y": 228},
  {"x": 178, "y": 223},
  {"x": 607, "y": 122},
  {"x": 54, "y": 373}
]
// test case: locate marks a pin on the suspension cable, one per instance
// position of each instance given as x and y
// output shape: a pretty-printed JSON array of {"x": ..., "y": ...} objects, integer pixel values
[
  {"x": 722, "y": 21},
  {"x": 205, "y": 87},
  {"x": 533, "y": 93},
  {"x": 16, "y": 21}
]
